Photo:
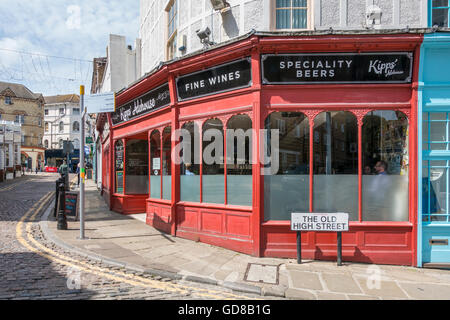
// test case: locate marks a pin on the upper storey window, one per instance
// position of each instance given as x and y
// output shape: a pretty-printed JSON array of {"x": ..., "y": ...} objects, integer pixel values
[
  {"x": 292, "y": 14},
  {"x": 440, "y": 13},
  {"x": 172, "y": 13}
]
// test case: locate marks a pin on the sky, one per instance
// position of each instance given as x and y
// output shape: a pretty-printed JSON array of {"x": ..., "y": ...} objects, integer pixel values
[{"x": 49, "y": 45}]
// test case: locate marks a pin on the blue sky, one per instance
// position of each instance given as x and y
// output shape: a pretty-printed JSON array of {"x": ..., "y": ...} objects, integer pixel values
[{"x": 35, "y": 36}]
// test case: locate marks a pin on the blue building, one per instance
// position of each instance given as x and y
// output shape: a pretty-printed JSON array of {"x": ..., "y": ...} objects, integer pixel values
[{"x": 434, "y": 151}]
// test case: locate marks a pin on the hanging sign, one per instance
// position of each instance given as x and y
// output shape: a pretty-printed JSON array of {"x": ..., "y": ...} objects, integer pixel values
[
  {"x": 331, "y": 222},
  {"x": 380, "y": 67},
  {"x": 151, "y": 101},
  {"x": 226, "y": 77},
  {"x": 103, "y": 102}
]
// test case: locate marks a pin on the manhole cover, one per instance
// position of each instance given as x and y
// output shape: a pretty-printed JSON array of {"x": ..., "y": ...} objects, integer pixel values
[{"x": 261, "y": 273}]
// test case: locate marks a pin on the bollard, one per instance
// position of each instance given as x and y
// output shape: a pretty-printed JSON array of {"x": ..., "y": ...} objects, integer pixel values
[
  {"x": 58, "y": 182},
  {"x": 62, "y": 221}
]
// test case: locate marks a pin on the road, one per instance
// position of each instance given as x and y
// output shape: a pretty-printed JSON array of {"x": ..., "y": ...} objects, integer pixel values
[{"x": 34, "y": 268}]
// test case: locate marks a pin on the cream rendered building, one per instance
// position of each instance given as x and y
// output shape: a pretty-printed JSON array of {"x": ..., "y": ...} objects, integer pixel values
[{"x": 19, "y": 104}]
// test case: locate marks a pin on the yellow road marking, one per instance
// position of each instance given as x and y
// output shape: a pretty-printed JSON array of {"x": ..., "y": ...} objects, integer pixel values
[{"x": 103, "y": 272}]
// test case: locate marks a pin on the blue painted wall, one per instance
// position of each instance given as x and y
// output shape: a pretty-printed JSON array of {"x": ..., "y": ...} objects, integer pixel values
[{"x": 433, "y": 96}]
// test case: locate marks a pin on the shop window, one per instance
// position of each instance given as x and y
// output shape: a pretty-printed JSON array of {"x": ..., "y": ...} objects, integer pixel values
[
  {"x": 119, "y": 153},
  {"x": 440, "y": 13},
  {"x": 435, "y": 181},
  {"x": 335, "y": 168},
  {"x": 291, "y": 14},
  {"x": 385, "y": 166},
  {"x": 287, "y": 190},
  {"x": 166, "y": 164},
  {"x": 213, "y": 183},
  {"x": 155, "y": 165},
  {"x": 239, "y": 161},
  {"x": 136, "y": 167},
  {"x": 190, "y": 165},
  {"x": 435, "y": 131}
]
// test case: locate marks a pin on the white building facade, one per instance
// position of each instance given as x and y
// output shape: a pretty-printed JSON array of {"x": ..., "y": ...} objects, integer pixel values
[
  {"x": 62, "y": 121},
  {"x": 168, "y": 28},
  {"x": 10, "y": 148}
]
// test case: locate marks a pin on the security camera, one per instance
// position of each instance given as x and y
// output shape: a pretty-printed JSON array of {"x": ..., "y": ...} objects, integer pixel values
[{"x": 203, "y": 33}]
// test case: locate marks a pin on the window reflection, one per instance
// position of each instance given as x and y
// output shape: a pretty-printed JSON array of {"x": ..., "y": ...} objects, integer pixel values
[
  {"x": 239, "y": 167},
  {"x": 190, "y": 168},
  {"x": 136, "y": 174},
  {"x": 335, "y": 150},
  {"x": 385, "y": 166},
  {"x": 119, "y": 166},
  {"x": 287, "y": 191},
  {"x": 213, "y": 183},
  {"x": 155, "y": 165},
  {"x": 166, "y": 167}
]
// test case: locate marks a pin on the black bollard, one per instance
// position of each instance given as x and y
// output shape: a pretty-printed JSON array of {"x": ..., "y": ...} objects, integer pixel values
[
  {"x": 58, "y": 182},
  {"x": 62, "y": 221}
]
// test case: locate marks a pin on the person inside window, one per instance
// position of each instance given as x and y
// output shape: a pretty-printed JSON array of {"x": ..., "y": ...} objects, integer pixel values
[
  {"x": 381, "y": 167},
  {"x": 188, "y": 170}
]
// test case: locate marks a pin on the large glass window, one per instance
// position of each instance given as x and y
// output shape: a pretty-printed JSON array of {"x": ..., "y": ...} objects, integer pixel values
[
  {"x": 440, "y": 13},
  {"x": 287, "y": 190},
  {"x": 385, "y": 166},
  {"x": 190, "y": 166},
  {"x": 435, "y": 131},
  {"x": 213, "y": 183},
  {"x": 239, "y": 161},
  {"x": 155, "y": 165},
  {"x": 335, "y": 150},
  {"x": 435, "y": 180},
  {"x": 166, "y": 164},
  {"x": 136, "y": 174},
  {"x": 291, "y": 14},
  {"x": 119, "y": 153}
]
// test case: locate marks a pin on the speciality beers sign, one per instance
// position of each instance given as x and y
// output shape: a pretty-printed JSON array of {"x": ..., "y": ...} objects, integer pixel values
[
  {"x": 230, "y": 76},
  {"x": 380, "y": 67},
  {"x": 151, "y": 101}
]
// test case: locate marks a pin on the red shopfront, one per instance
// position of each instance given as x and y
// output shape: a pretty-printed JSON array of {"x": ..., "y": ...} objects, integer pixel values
[{"x": 347, "y": 125}]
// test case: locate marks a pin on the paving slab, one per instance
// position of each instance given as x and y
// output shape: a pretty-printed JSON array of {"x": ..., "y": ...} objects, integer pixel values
[
  {"x": 336, "y": 282},
  {"x": 305, "y": 280},
  {"x": 426, "y": 291},
  {"x": 298, "y": 294},
  {"x": 385, "y": 289}
]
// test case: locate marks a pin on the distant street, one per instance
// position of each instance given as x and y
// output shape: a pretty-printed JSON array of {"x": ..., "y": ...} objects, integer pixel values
[{"x": 31, "y": 267}]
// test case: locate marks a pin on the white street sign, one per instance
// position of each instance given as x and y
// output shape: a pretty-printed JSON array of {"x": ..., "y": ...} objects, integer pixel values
[
  {"x": 331, "y": 222},
  {"x": 98, "y": 103}
]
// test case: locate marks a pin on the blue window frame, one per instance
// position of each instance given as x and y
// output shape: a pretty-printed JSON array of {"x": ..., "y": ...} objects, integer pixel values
[
  {"x": 439, "y": 13},
  {"x": 291, "y": 14},
  {"x": 435, "y": 167}
]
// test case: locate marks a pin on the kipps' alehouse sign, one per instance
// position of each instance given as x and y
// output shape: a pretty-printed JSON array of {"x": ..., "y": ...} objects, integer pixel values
[
  {"x": 379, "y": 67},
  {"x": 226, "y": 77},
  {"x": 151, "y": 101}
]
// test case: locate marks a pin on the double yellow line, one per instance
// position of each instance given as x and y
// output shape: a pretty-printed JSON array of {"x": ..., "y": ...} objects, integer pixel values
[
  {"x": 12, "y": 186},
  {"x": 34, "y": 246}
]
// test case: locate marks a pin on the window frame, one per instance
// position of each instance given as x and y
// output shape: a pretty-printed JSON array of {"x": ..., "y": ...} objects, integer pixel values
[
  {"x": 171, "y": 29},
  {"x": 360, "y": 115},
  {"x": 309, "y": 16},
  {"x": 430, "y": 13}
]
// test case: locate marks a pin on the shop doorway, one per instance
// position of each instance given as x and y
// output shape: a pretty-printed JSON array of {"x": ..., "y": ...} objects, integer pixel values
[{"x": 435, "y": 188}]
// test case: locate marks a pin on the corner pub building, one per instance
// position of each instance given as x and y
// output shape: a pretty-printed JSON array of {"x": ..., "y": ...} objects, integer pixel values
[{"x": 345, "y": 106}]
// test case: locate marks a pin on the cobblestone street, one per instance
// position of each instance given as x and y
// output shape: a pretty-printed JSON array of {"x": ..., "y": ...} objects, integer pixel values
[{"x": 32, "y": 267}]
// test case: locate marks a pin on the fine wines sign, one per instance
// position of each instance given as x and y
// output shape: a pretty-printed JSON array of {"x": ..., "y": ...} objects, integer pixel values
[
  {"x": 151, "y": 101},
  {"x": 230, "y": 76},
  {"x": 380, "y": 67}
]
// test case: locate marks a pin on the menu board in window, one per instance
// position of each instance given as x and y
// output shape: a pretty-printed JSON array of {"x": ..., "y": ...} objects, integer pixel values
[{"x": 119, "y": 166}]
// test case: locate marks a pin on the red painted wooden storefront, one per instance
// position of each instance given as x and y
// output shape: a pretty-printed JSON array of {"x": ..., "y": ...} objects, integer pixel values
[{"x": 244, "y": 228}]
